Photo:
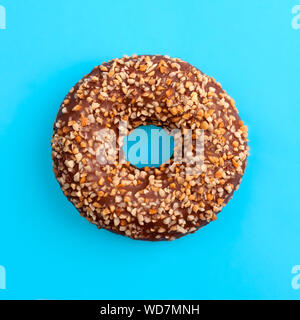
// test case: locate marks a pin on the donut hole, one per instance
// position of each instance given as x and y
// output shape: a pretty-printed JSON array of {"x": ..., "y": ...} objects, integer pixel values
[{"x": 148, "y": 146}]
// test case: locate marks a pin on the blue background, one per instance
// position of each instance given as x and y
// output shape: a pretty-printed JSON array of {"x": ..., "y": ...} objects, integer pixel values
[
  {"x": 49, "y": 251},
  {"x": 148, "y": 146}
]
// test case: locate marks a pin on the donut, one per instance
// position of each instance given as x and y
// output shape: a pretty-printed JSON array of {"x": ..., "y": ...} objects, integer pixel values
[{"x": 162, "y": 203}]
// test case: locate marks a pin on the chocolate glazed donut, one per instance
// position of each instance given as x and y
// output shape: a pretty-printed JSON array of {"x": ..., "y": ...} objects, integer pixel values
[{"x": 150, "y": 203}]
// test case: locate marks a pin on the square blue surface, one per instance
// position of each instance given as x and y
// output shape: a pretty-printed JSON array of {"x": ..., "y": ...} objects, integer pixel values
[{"x": 47, "y": 251}]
